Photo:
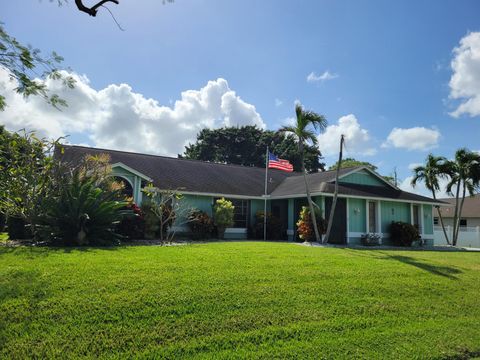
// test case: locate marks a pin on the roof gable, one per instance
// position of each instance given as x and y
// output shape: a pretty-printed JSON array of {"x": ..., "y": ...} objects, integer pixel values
[{"x": 364, "y": 176}]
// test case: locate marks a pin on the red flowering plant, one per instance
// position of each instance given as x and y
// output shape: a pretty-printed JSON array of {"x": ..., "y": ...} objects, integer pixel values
[
  {"x": 132, "y": 227},
  {"x": 305, "y": 227}
]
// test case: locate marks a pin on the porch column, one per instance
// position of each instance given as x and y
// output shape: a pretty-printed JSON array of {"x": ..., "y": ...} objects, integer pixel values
[{"x": 291, "y": 220}]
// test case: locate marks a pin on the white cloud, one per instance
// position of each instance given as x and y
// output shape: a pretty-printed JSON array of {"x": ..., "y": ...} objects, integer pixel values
[
  {"x": 278, "y": 102},
  {"x": 416, "y": 138},
  {"x": 116, "y": 117},
  {"x": 420, "y": 188},
  {"x": 465, "y": 80},
  {"x": 327, "y": 75},
  {"x": 357, "y": 140},
  {"x": 414, "y": 165}
]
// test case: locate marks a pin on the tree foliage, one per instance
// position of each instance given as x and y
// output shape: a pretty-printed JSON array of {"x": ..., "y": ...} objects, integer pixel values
[
  {"x": 29, "y": 68},
  {"x": 28, "y": 175},
  {"x": 349, "y": 162},
  {"x": 247, "y": 145},
  {"x": 304, "y": 131}
]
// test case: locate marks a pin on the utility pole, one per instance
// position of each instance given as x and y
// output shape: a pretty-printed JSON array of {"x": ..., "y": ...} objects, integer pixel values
[{"x": 335, "y": 195}]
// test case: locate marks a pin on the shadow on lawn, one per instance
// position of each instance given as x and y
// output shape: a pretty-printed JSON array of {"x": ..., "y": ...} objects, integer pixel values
[
  {"x": 50, "y": 250},
  {"x": 440, "y": 270}
]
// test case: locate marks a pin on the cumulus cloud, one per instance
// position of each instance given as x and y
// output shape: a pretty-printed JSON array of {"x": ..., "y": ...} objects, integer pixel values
[
  {"x": 117, "y": 117},
  {"x": 416, "y": 138},
  {"x": 357, "y": 140},
  {"x": 465, "y": 80},
  {"x": 420, "y": 188},
  {"x": 314, "y": 78}
]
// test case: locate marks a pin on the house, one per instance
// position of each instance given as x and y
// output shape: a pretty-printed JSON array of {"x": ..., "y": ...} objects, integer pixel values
[
  {"x": 367, "y": 203},
  {"x": 469, "y": 232}
]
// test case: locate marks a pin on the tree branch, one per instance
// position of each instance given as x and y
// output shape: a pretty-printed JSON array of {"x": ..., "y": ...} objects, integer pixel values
[{"x": 92, "y": 11}]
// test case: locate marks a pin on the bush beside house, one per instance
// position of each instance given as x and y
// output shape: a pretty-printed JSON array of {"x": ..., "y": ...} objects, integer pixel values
[
  {"x": 403, "y": 234},
  {"x": 305, "y": 225},
  {"x": 223, "y": 211},
  {"x": 200, "y": 224},
  {"x": 275, "y": 228}
]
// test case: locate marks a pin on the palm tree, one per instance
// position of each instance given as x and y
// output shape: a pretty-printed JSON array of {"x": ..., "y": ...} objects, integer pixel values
[
  {"x": 435, "y": 168},
  {"x": 465, "y": 176},
  {"x": 305, "y": 129}
]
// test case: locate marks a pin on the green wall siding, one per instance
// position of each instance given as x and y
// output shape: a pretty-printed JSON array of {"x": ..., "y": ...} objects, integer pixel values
[
  {"x": 203, "y": 203},
  {"x": 427, "y": 219},
  {"x": 394, "y": 211},
  {"x": 256, "y": 206},
  {"x": 362, "y": 178},
  {"x": 357, "y": 217}
]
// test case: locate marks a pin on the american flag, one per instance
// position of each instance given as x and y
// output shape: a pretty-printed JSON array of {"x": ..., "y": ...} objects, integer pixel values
[{"x": 280, "y": 164}]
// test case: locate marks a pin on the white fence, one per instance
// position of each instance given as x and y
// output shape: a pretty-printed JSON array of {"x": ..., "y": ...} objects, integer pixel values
[{"x": 468, "y": 236}]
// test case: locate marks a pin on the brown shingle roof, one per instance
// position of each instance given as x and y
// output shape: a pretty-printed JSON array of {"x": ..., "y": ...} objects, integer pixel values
[
  {"x": 471, "y": 207},
  {"x": 189, "y": 175},
  {"x": 213, "y": 178}
]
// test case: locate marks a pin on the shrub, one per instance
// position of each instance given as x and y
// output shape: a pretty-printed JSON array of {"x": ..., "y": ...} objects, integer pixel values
[
  {"x": 305, "y": 227},
  {"x": 200, "y": 224},
  {"x": 370, "y": 239},
  {"x": 275, "y": 227},
  {"x": 159, "y": 218},
  {"x": 132, "y": 226},
  {"x": 223, "y": 215},
  {"x": 403, "y": 234},
  {"x": 3, "y": 220},
  {"x": 82, "y": 214},
  {"x": 17, "y": 228}
]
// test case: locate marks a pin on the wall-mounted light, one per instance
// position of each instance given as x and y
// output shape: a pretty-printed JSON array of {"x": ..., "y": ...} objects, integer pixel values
[
  {"x": 393, "y": 211},
  {"x": 356, "y": 211}
]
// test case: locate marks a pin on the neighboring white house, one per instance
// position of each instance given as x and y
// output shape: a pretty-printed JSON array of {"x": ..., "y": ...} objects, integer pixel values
[{"x": 469, "y": 234}]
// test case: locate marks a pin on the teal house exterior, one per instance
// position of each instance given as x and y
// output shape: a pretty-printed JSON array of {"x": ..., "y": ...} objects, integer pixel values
[{"x": 367, "y": 203}]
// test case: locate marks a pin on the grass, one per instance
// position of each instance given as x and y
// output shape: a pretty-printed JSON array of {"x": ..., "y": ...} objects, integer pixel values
[
  {"x": 3, "y": 237},
  {"x": 238, "y": 300}
]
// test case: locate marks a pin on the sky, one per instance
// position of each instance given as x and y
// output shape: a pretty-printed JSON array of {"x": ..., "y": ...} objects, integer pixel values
[{"x": 399, "y": 79}]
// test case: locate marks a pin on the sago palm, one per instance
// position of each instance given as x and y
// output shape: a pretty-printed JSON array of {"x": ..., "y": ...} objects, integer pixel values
[
  {"x": 435, "y": 168},
  {"x": 307, "y": 125}
]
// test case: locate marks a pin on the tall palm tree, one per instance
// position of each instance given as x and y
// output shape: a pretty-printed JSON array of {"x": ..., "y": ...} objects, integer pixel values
[
  {"x": 435, "y": 168},
  {"x": 305, "y": 129},
  {"x": 465, "y": 176}
]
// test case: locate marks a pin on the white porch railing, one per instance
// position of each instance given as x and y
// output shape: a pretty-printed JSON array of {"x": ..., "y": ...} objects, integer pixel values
[{"x": 468, "y": 236}]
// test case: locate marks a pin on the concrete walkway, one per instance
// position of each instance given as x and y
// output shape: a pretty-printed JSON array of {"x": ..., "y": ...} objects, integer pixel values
[{"x": 385, "y": 247}]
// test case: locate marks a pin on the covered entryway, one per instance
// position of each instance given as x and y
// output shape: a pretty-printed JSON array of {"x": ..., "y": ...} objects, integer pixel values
[{"x": 338, "y": 233}]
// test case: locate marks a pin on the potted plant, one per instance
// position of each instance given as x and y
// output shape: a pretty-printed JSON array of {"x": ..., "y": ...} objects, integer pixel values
[
  {"x": 223, "y": 215},
  {"x": 371, "y": 239}
]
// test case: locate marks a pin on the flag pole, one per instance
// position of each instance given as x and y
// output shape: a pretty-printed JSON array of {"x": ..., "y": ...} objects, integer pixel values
[{"x": 265, "y": 204}]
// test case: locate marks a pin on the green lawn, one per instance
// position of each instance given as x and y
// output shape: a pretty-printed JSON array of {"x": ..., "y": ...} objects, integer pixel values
[{"x": 238, "y": 300}]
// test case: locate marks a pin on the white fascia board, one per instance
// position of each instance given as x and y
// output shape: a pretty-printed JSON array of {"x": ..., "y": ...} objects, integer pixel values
[
  {"x": 133, "y": 171},
  {"x": 354, "y": 197}
]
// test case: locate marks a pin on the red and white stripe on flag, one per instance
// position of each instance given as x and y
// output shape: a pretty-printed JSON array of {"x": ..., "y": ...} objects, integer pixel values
[{"x": 280, "y": 164}]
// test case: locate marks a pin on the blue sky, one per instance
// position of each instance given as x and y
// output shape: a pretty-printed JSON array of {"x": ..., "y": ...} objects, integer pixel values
[{"x": 385, "y": 65}]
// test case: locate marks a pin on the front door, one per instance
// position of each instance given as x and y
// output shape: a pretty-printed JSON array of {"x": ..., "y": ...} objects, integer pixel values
[{"x": 338, "y": 233}]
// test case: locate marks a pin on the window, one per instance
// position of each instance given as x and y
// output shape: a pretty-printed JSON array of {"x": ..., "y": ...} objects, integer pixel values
[
  {"x": 372, "y": 217},
  {"x": 416, "y": 216},
  {"x": 435, "y": 221},
  {"x": 463, "y": 222},
  {"x": 241, "y": 212}
]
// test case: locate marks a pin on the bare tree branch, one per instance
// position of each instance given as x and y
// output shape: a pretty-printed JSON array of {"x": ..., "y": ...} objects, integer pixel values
[{"x": 92, "y": 11}]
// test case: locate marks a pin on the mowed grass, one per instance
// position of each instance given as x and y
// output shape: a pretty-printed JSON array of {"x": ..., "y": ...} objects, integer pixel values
[{"x": 238, "y": 300}]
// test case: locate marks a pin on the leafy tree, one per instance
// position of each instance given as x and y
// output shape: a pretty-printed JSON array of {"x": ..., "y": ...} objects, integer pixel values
[
  {"x": 435, "y": 168},
  {"x": 349, "y": 162},
  {"x": 28, "y": 175},
  {"x": 464, "y": 173},
  {"x": 304, "y": 131},
  {"x": 29, "y": 68},
  {"x": 246, "y": 146}
]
